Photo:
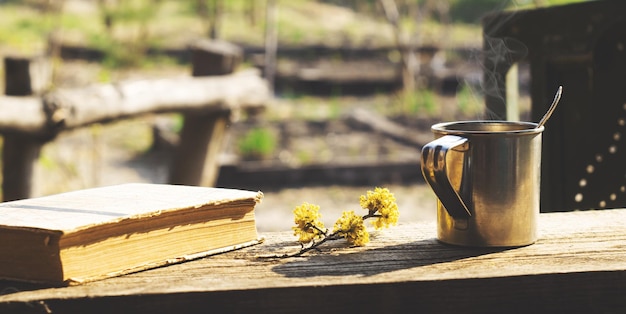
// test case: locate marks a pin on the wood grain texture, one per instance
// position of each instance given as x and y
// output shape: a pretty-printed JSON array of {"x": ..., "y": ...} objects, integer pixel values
[
  {"x": 76, "y": 107},
  {"x": 579, "y": 264},
  {"x": 133, "y": 98}
]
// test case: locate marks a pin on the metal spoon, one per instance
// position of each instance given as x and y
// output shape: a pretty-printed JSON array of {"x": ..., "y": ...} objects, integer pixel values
[{"x": 555, "y": 102}]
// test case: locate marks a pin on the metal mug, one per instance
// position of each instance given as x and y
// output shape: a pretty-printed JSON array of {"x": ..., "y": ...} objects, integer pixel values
[{"x": 486, "y": 176}]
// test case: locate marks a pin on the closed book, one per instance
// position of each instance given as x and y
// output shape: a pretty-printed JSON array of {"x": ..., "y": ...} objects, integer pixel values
[{"x": 92, "y": 234}]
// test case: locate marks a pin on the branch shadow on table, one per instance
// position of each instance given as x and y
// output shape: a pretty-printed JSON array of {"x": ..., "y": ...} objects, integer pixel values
[
  {"x": 379, "y": 260},
  {"x": 10, "y": 286}
]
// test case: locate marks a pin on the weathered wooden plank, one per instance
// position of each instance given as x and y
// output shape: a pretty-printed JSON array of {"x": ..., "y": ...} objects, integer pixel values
[
  {"x": 579, "y": 263},
  {"x": 131, "y": 98},
  {"x": 21, "y": 114},
  {"x": 375, "y": 122},
  {"x": 72, "y": 108}
]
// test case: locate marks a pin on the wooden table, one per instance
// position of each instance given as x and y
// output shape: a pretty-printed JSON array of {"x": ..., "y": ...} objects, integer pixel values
[{"x": 579, "y": 264}]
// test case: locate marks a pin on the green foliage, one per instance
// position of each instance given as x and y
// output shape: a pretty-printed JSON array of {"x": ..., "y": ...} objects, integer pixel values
[
  {"x": 257, "y": 143},
  {"x": 117, "y": 56},
  {"x": 21, "y": 28},
  {"x": 334, "y": 107},
  {"x": 179, "y": 122},
  {"x": 31, "y": 25},
  {"x": 415, "y": 102},
  {"x": 546, "y": 2},
  {"x": 469, "y": 102},
  {"x": 304, "y": 157},
  {"x": 470, "y": 11},
  {"x": 133, "y": 11},
  {"x": 134, "y": 16}
]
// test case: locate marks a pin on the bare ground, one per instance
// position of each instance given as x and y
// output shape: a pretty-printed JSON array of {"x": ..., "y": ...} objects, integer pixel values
[{"x": 415, "y": 202}]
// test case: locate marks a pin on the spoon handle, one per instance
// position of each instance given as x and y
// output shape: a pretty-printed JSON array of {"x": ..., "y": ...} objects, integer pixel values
[{"x": 555, "y": 102}]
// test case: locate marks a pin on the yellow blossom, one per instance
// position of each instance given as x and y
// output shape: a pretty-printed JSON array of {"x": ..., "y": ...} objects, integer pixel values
[
  {"x": 308, "y": 224},
  {"x": 351, "y": 227},
  {"x": 388, "y": 216},
  {"x": 382, "y": 203}
]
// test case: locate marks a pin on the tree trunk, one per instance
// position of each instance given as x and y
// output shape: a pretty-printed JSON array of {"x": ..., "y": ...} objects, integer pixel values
[
  {"x": 271, "y": 42},
  {"x": 217, "y": 7},
  {"x": 410, "y": 66}
]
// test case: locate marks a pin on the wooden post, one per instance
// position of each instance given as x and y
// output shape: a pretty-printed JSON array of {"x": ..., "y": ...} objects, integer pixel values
[
  {"x": 23, "y": 77},
  {"x": 17, "y": 76},
  {"x": 195, "y": 161},
  {"x": 214, "y": 57},
  {"x": 512, "y": 93},
  {"x": 19, "y": 155}
]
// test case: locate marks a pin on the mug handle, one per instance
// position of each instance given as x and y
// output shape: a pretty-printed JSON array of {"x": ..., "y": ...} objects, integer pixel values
[{"x": 434, "y": 171}]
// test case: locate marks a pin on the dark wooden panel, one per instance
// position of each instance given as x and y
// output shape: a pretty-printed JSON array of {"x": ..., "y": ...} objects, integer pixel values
[{"x": 581, "y": 47}]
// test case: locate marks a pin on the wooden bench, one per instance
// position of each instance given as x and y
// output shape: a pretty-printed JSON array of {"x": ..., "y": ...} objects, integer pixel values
[{"x": 578, "y": 265}]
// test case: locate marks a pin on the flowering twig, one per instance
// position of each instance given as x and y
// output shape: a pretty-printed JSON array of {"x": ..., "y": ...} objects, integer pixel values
[
  {"x": 311, "y": 233},
  {"x": 312, "y": 246}
]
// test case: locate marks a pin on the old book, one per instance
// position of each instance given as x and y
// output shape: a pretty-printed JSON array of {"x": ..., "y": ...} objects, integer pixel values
[{"x": 103, "y": 232}]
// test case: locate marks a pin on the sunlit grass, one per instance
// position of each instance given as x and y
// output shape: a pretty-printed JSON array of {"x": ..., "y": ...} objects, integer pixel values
[
  {"x": 258, "y": 143},
  {"x": 22, "y": 29}
]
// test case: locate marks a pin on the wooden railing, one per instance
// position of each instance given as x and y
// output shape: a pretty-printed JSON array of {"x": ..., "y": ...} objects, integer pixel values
[
  {"x": 207, "y": 99},
  {"x": 578, "y": 265}
]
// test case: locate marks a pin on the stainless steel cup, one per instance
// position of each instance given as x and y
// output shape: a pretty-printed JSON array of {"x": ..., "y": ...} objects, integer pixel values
[{"x": 486, "y": 177}]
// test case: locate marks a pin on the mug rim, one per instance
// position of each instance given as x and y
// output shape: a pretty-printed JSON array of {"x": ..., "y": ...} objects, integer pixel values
[{"x": 518, "y": 127}]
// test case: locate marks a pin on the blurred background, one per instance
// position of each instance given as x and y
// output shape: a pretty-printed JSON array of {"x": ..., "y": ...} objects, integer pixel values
[{"x": 356, "y": 85}]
